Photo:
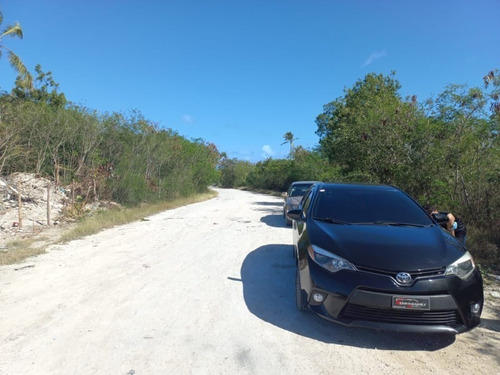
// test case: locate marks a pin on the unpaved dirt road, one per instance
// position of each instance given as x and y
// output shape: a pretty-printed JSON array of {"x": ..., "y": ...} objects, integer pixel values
[{"x": 203, "y": 289}]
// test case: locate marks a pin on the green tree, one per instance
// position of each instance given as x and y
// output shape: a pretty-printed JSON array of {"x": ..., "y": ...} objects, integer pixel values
[
  {"x": 289, "y": 138},
  {"x": 465, "y": 152},
  {"x": 45, "y": 89},
  {"x": 11, "y": 134},
  {"x": 312, "y": 166},
  {"x": 492, "y": 82},
  {"x": 369, "y": 131},
  {"x": 233, "y": 172},
  {"x": 271, "y": 174},
  {"x": 14, "y": 31}
]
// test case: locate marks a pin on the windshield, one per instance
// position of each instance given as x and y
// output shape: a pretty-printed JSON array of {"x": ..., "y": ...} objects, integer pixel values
[{"x": 367, "y": 205}]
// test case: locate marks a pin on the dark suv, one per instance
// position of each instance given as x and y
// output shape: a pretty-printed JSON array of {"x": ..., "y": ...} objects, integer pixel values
[{"x": 370, "y": 256}]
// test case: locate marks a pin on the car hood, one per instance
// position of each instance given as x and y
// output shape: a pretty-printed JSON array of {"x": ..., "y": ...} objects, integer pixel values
[{"x": 392, "y": 248}]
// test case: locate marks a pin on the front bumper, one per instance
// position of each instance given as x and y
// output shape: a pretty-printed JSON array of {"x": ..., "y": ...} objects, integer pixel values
[{"x": 365, "y": 299}]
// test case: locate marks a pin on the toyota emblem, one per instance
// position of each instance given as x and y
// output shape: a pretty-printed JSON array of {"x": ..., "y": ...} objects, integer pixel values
[{"x": 404, "y": 278}]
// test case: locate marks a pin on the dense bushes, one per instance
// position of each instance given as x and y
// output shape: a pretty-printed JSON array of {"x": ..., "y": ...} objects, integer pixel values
[
  {"x": 277, "y": 174},
  {"x": 234, "y": 172},
  {"x": 124, "y": 158}
]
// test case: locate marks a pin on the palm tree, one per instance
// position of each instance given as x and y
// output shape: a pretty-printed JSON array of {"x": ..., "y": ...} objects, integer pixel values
[
  {"x": 15, "y": 31},
  {"x": 289, "y": 138}
]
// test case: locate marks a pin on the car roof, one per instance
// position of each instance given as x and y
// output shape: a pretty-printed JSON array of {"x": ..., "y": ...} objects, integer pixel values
[
  {"x": 349, "y": 185},
  {"x": 303, "y": 182}
]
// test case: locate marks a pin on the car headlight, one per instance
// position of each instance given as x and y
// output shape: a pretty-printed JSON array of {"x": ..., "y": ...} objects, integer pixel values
[
  {"x": 463, "y": 267},
  {"x": 330, "y": 261}
]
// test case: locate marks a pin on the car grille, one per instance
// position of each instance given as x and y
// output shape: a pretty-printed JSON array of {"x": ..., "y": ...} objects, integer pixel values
[
  {"x": 414, "y": 274},
  {"x": 356, "y": 312}
]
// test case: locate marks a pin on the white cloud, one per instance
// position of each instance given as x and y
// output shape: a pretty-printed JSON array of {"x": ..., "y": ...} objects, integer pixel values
[
  {"x": 267, "y": 151},
  {"x": 187, "y": 119},
  {"x": 375, "y": 56}
]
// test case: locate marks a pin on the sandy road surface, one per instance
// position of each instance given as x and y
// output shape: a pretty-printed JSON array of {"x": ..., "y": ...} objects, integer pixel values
[{"x": 203, "y": 289}]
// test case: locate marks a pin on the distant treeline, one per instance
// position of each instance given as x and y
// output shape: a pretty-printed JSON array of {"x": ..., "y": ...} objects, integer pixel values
[{"x": 442, "y": 151}]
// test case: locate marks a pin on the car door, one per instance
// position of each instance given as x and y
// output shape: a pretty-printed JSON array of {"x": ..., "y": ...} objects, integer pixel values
[{"x": 299, "y": 225}]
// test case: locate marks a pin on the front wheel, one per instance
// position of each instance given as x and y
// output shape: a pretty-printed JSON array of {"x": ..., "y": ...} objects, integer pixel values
[{"x": 299, "y": 294}]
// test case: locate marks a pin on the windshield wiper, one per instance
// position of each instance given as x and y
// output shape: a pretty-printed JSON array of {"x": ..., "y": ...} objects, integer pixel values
[
  {"x": 331, "y": 220},
  {"x": 395, "y": 223}
]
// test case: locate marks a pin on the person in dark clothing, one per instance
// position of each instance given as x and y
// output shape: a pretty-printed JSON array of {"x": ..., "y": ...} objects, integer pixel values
[{"x": 454, "y": 224}]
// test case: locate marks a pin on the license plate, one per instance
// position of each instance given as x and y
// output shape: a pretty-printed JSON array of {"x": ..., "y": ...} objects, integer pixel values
[{"x": 410, "y": 303}]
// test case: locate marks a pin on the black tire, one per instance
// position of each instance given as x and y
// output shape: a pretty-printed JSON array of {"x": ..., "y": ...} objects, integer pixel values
[
  {"x": 299, "y": 294},
  {"x": 288, "y": 222}
]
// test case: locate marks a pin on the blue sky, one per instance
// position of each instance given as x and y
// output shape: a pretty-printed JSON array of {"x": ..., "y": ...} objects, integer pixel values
[{"x": 242, "y": 73}]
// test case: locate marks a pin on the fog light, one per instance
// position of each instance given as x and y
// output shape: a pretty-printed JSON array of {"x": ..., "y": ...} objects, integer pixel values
[
  {"x": 475, "y": 308},
  {"x": 318, "y": 297}
]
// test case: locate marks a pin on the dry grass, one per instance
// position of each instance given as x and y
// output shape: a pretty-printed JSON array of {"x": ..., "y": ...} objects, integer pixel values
[{"x": 17, "y": 251}]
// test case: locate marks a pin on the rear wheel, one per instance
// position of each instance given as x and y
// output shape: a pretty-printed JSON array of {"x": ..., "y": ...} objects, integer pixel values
[{"x": 300, "y": 299}]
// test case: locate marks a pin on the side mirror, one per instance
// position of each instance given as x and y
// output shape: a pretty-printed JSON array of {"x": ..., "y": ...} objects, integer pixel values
[
  {"x": 294, "y": 214},
  {"x": 441, "y": 219}
]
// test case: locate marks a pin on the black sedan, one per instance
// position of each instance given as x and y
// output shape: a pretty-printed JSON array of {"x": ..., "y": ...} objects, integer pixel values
[{"x": 370, "y": 256}]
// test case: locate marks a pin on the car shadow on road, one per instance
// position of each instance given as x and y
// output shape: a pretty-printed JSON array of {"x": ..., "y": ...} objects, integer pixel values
[
  {"x": 274, "y": 220},
  {"x": 275, "y": 204},
  {"x": 275, "y": 217},
  {"x": 268, "y": 275},
  {"x": 490, "y": 324}
]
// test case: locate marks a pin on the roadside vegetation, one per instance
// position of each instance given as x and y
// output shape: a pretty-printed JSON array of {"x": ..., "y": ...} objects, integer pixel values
[{"x": 442, "y": 150}]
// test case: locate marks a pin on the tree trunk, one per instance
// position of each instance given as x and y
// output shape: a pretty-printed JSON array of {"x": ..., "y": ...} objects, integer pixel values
[
  {"x": 19, "y": 205},
  {"x": 48, "y": 204}
]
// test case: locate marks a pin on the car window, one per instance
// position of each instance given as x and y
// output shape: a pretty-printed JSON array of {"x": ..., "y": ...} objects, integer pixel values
[
  {"x": 306, "y": 202},
  {"x": 362, "y": 205},
  {"x": 298, "y": 190}
]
